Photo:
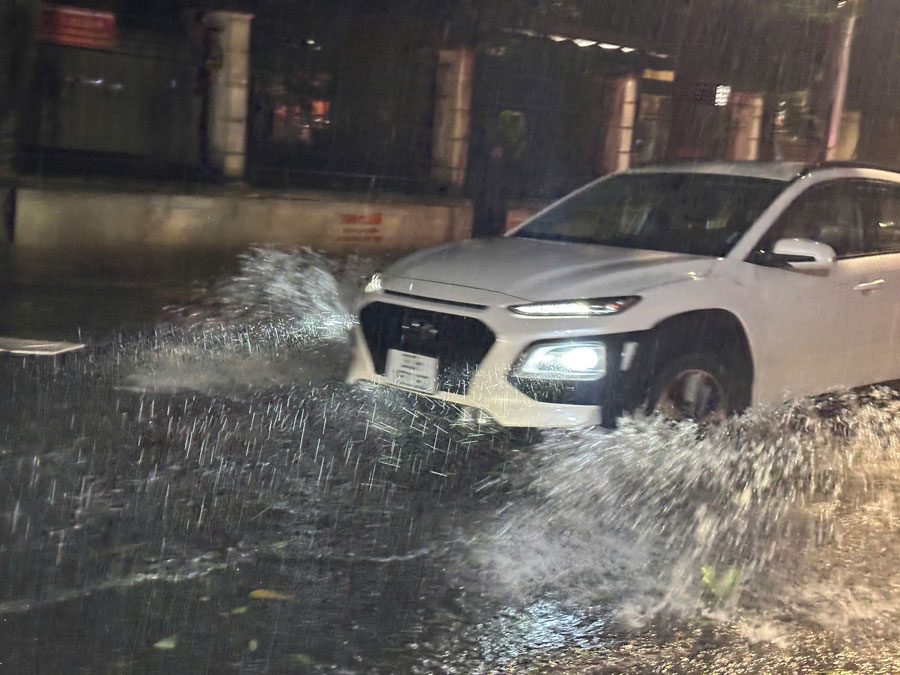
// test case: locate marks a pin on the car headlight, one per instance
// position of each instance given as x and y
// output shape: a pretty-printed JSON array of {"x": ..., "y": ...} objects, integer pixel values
[
  {"x": 374, "y": 284},
  {"x": 563, "y": 361},
  {"x": 576, "y": 308}
]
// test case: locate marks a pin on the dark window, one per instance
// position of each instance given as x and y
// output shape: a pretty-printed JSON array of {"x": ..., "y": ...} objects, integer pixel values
[
  {"x": 830, "y": 213},
  {"x": 883, "y": 217},
  {"x": 695, "y": 213}
]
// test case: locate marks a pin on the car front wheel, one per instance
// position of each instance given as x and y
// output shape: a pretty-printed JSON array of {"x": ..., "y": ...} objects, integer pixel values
[{"x": 701, "y": 387}]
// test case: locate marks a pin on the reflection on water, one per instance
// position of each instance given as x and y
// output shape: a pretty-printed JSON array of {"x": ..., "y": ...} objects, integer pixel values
[{"x": 208, "y": 495}]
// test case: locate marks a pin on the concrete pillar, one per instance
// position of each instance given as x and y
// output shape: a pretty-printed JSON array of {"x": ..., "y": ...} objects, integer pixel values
[
  {"x": 621, "y": 113},
  {"x": 228, "y": 97},
  {"x": 746, "y": 125},
  {"x": 848, "y": 139},
  {"x": 452, "y": 110}
]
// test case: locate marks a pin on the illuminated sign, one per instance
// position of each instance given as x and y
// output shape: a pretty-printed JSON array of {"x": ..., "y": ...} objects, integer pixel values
[
  {"x": 723, "y": 94},
  {"x": 712, "y": 94},
  {"x": 659, "y": 75},
  {"x": 75, "y": 27}
]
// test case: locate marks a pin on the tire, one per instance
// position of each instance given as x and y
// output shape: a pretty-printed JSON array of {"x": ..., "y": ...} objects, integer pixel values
[{"x": 700, "y": 386}]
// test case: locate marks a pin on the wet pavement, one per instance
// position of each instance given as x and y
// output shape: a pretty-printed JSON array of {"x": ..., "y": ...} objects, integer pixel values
[{"x": 198, "y": 491}]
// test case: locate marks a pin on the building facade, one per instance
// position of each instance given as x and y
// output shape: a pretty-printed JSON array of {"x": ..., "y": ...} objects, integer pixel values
[{"x": 508, "y": 102}]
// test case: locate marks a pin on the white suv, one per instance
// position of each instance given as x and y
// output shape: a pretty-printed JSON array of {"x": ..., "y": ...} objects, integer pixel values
[{"x": 694, "y": 290}]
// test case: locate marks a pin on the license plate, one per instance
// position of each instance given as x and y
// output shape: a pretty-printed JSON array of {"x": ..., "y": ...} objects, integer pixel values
[{"x": 412, "y": 371}]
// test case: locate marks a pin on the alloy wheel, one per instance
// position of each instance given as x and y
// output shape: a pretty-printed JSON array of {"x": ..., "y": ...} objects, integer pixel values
[{"x": 693, "y": 394}]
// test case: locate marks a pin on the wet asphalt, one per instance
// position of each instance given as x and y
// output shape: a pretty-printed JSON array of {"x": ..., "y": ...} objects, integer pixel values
[
  {"x": 173, "y": 503},
  {"x": 198, "y": 491}
]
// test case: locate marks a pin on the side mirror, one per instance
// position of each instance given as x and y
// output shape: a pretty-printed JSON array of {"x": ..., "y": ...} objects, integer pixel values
[{"x": 805, "y": 254}]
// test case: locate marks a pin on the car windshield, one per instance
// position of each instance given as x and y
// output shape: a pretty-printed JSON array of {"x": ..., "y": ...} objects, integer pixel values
[{"x": 694, "y": 213}]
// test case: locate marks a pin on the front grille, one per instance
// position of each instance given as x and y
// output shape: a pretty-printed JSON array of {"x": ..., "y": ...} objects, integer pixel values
[{"x": 459, "y": 343}]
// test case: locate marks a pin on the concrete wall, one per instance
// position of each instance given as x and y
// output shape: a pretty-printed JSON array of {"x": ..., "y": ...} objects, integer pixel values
[
  {"x": 82, "y": 222},
  {"x": 518, "y": 212}
]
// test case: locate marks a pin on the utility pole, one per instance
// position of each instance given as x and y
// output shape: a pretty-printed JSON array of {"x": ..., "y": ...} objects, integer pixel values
[{"x": 839, "y": 88}]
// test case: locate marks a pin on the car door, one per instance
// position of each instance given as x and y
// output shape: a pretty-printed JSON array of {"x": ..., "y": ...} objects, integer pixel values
[
  {"x": 881, "y": 208},
  {"x": 824, "y": 330}
]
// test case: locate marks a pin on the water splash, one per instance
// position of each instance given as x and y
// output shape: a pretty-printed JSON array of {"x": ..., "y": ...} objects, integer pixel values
[
  {"x": 283, "y": 319},
  {"x": 272, "y": 284},
  {"x": 634, "y": 518}
]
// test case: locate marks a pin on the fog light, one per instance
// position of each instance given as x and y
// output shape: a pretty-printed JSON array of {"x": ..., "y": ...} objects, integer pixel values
[{"x": 564, "y": 361}]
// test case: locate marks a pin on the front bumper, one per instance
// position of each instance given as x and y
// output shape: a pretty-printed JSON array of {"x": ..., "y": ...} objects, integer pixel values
[
  {"x": 489, "y": 390},
  {"x": 489, "y": 387}
]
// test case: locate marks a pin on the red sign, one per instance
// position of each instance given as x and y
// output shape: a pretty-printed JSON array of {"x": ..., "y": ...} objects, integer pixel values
[
  {"x": 359, "y": 227},
  {"x": 77, "y": 27},
  {"x": 361, "y": 218}
]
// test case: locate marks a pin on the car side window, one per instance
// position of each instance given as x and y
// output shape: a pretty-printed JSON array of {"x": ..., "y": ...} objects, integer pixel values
[
  {"x": 829, "y": 213},
  {"x": 883, "y": 217}
]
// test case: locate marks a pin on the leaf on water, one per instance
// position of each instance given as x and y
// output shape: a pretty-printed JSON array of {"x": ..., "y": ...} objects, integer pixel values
[
  {"x": 302, "y": 659},
  {"x": 241, "y": 609},
  {"x": 166, "y": 643},
  {"x": 266, "y": 594},
  {"x": 252, "y": 646},
  {"x": 720, "y": 585}
]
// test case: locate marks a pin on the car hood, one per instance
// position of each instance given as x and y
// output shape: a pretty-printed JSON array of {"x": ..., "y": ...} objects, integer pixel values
[{"x": 531, "y": 269}]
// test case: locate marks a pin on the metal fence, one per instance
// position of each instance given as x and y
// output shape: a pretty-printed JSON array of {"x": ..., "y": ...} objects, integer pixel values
[
  {"x": 343, "y": 101},
  {"x": 338, "y": 99}
]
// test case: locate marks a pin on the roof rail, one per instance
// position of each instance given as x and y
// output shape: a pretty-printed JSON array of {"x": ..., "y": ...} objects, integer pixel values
[{"x": 846, "y": 164}]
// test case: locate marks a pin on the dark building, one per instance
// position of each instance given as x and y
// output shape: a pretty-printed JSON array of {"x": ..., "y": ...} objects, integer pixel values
[{"x": 359, "y": 95}]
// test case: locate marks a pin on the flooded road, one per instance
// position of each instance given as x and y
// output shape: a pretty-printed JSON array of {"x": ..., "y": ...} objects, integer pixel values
[{"x": 198, "y": 491}]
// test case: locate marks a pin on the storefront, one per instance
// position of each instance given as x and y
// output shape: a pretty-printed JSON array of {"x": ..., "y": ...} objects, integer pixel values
[
  {"x": 341, "y": 98},
  {"x": 109, "y": 95}
]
